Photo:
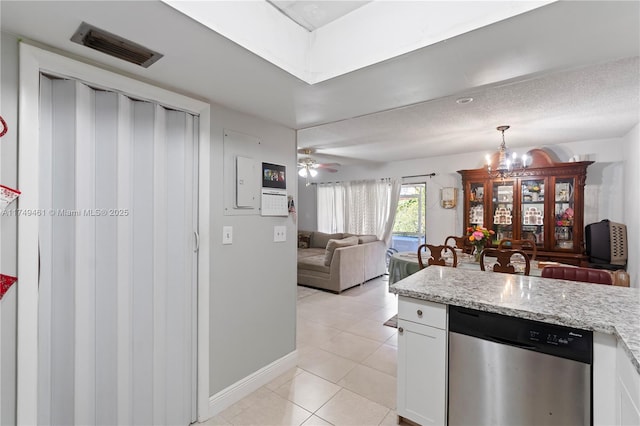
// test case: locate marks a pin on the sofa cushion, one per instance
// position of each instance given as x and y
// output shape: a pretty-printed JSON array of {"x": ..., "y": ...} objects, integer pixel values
[
  {"x": 302, "y": 253},
  {"x": 363, "y": 239},
  {"x": 321, "y": 239},
  {"x": 313, "y": 263},
  {"x": 304, "y": 240},
  {"x": 332, "y": 245}
]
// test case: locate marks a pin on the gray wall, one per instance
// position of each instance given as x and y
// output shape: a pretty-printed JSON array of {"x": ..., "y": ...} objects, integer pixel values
[
  {"x": 253, "y": 281},
  {"x": 253, "y": 288},
  {"x": 306, "y": 207},
  {"x": 8, "y": 265}
]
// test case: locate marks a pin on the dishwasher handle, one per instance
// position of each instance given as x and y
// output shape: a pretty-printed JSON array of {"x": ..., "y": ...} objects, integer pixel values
[{"x": 509, "y": 342}]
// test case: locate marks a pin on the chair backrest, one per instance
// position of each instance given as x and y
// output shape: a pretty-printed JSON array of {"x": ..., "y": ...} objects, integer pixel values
[
  {"x": 508, "y": 243},
  {"x": 436, "y": 257},
  {"x": 459, "y": 242},
  {"x": 585, "y": 275},
  {"x": 504, "y": 264}
]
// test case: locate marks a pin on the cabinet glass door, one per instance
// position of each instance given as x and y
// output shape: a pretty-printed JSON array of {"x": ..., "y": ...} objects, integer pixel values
[
  {"x": 532, "y": 210},
  {"x": 502, "y": 209},
  {"x": 476, "y": 204},
  {"x": 564, "y": 213}
]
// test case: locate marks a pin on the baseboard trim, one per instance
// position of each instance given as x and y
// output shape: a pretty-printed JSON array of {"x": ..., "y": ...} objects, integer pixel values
[{"x": 252, "y": 382}]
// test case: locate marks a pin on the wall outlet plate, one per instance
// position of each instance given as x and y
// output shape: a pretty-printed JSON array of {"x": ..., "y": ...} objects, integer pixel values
[
  {"x": 227, "y": 234},
  {"x": 279, "y": 234}
]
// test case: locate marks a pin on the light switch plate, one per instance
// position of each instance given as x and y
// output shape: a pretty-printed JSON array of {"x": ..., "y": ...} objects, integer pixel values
[
  {"x": 279, "y": 234},
  {"x": 227, "y": 234}
]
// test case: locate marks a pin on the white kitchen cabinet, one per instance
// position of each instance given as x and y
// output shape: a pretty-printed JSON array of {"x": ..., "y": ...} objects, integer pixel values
[
  {"x": 627, "y": 391},
  {"x": 422, "y": 361}
]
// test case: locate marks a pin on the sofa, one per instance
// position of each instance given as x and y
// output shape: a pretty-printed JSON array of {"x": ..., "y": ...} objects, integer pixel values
[{"x": 336, "y": 262}]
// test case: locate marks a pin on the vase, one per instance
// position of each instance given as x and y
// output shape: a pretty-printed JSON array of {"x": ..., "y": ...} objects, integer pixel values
[{"x": 477, "y": 252}]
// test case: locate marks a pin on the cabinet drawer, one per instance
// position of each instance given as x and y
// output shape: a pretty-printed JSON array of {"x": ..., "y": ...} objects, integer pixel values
[{"x": 423, "y": 312}]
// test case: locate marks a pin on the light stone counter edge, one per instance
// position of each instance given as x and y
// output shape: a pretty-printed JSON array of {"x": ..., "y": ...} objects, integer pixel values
[{"x": 595, "y": 307}]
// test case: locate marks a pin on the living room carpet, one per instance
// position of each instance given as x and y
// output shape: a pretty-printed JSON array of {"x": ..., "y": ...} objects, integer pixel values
[{"x": 392, "y": 322}]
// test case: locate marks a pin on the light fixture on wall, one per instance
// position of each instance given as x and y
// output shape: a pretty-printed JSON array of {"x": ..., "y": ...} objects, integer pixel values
[{"x": 508, "y": 163}]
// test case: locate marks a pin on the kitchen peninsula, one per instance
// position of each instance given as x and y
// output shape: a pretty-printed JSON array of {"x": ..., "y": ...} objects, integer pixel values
[{"x": 611, "y": 313}]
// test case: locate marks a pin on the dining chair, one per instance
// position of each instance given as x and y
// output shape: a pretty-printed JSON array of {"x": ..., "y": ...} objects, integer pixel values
[
  {"x": 504, "y": 265},
  {"x": 461, "y": 243},
  {"x": 571, "y": 273},
  {"x": 508, "y": 243},
  {"x": 436, "y": 257}
]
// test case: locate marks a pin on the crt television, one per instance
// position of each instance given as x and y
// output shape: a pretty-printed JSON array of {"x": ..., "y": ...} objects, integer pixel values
[{"x": 606, "y": 244}]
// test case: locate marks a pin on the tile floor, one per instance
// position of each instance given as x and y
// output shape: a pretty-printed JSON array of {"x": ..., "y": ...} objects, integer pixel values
[{"x": 346, "y": 371}]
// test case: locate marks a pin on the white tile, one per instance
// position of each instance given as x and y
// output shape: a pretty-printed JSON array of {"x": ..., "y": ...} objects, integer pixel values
[
  {"x": 271, "y": 409},
  {"x": 308, "y": 391},
  {"x": 371, "y": 329},
  {"x": 371, "y": 384},
  {"x": 324, "y": 364},
  {"x": 283, "y": 378},
  {"x": 350, "y": 346},
  {"x": 385, "y": 359},
  {"x": 316, "y": 421},
  {"x": 216, "y": 421},
  {"x": 250, "y": 400},
  {"x": 349, "y": 409}
]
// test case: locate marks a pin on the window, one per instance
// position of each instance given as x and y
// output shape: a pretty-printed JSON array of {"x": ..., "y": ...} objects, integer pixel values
[{"x": 409, "y": 226}]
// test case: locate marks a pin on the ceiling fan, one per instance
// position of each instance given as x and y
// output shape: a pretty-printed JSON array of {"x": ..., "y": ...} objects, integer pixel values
[{"x": 308, "y": 166}]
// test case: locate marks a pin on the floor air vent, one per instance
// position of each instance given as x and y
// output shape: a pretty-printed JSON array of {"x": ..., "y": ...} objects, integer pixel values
[{"x": 113, "y": 45}]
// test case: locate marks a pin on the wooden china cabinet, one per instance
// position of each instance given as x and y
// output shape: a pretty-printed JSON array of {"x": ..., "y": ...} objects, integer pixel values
[{"x": 544, "y": 203}]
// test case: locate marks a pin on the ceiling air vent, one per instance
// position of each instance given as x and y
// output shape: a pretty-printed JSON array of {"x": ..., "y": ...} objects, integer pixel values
[{"x": 113, "y": 45}]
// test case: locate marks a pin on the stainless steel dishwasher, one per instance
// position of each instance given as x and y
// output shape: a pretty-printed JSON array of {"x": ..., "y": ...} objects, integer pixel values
[{"x": 510, "y": 371}]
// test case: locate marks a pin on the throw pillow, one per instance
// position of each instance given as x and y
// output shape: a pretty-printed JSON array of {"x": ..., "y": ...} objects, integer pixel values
[
  {"x": 332, "y": 245},
  {"x": 304, "y": 240},
  {"x": 321, "y": 239}
]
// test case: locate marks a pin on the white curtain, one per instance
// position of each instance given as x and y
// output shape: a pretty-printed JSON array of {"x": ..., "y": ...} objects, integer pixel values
[
  {"x": 117, "y": 281},
  {"x": 359, "y": 207},
  {"x": 331, "y": 207}
]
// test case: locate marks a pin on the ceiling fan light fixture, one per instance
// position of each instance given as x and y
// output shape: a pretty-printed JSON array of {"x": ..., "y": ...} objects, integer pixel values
[
  {"x": 313, "y": 172},
  {"x": 303, "y": 172}
]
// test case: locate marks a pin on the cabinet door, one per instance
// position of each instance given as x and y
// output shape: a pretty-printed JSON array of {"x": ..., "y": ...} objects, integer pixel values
[
  {"x": 532, "y": 211},
  {"x": 476, "y": 197},
  {"x": 502, "y": 202},
  {"x": 627, "y": 389},
  {"x": 564, "y": 235},
  {"x": 421, "y": 373}
]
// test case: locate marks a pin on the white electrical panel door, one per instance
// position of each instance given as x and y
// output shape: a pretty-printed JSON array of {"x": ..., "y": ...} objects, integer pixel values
[{"x": 246, "y": 182}]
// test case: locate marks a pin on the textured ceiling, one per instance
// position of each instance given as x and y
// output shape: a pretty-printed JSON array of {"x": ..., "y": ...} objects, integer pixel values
[{"x": 592, "y": 103}]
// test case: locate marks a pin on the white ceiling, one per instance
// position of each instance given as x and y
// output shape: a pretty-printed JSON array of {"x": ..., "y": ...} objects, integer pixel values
[
  {"x": 564, "y": 72},
  {"x": 312, "y": 15}
]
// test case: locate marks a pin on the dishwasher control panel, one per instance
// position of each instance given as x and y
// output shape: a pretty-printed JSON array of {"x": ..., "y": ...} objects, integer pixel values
[{"x": 556, "y": 340}]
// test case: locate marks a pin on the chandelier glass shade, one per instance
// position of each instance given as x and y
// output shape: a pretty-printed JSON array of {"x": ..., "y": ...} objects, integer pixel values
[
  {"x": 307, "y": 171},
  {"x": 508, "y": 163}
]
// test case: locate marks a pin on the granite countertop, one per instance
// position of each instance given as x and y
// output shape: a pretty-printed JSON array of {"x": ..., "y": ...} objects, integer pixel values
[{"x": 595, "y": 307}]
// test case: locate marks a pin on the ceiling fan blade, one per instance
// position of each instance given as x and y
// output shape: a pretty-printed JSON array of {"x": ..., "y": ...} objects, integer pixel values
[
  {"x": 324, "y": 165},
  {"x": 330, "y": 170}
]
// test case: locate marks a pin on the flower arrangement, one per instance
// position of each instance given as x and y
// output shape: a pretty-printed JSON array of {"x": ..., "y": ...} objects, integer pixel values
[
  {"x": 479, "y": 237},
  {"x": 565, "y": 218}
]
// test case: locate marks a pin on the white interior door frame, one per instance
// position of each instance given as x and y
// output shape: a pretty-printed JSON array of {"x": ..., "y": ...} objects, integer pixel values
[{"x": 33, "y": 61}]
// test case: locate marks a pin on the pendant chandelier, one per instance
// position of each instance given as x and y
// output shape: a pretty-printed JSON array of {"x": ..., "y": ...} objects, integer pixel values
[{"x": 508, "y": 163}]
